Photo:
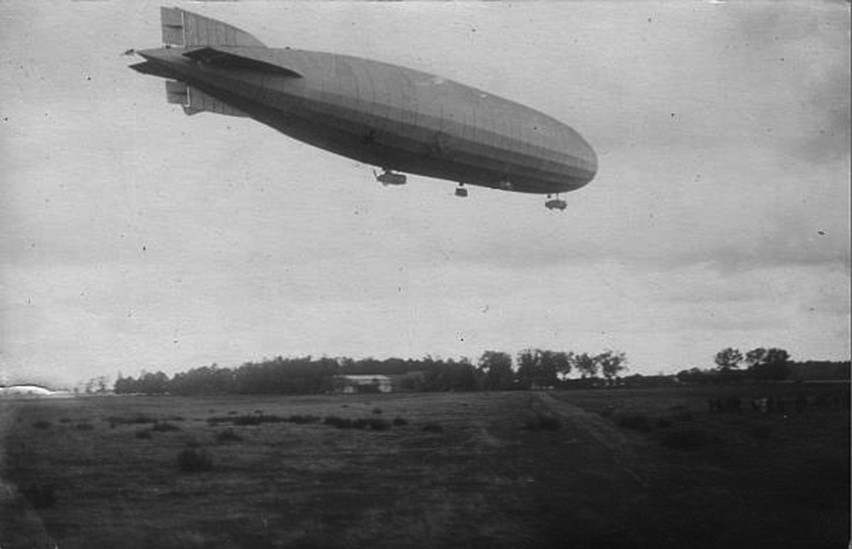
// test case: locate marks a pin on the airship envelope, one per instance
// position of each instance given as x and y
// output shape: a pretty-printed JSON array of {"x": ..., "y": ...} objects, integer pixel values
[{"x": 399, "y": 119}]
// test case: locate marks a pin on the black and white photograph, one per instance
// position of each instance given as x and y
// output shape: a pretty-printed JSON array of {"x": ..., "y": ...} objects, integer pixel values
[{"x": 531, "y": 274}]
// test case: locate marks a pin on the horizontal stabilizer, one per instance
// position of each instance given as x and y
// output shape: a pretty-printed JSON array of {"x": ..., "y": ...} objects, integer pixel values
[
  {"x": 195, "y": 101},
  {"x": 146, "y": 67},
  {"x": 246, "y": 59},
  {"x": 184, "y": 28}
]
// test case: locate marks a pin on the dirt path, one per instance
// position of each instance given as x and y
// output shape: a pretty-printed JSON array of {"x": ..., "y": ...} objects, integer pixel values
[
  {"x": 600, "y": 486},
  {"x": 20, "y": 525},
  {"x": 621, "y": 446}
]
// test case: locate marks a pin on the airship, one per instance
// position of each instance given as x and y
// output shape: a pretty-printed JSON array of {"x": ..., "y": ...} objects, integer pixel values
[{"x": 399, "y": 120}]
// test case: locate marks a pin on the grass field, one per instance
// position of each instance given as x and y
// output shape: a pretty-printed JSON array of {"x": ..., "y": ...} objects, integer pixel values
[{"x": 622, "y": 468}]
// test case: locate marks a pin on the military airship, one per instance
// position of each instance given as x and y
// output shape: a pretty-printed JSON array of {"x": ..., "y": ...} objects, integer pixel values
[{"x": 395, "y": 118}]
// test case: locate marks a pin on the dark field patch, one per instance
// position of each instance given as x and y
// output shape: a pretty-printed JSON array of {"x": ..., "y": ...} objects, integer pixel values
[{"x": 450, "y": 470}]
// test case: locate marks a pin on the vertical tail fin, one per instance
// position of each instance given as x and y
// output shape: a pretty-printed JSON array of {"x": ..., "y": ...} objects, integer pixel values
[{"x": 184, "y": 28}]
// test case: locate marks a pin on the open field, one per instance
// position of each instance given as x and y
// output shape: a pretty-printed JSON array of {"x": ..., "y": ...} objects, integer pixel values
[{"x": 622, "y": 468}]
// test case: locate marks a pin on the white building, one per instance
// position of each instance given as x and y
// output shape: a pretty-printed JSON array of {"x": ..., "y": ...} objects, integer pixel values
[{"x": 363, "y": 384}]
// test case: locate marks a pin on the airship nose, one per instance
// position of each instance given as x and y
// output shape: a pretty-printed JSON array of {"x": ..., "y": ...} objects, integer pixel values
[{"x": 592, "y": 159}]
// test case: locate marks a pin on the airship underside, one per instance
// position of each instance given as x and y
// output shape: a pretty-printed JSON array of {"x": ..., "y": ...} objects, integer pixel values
[{"x": 399, "y": 119}]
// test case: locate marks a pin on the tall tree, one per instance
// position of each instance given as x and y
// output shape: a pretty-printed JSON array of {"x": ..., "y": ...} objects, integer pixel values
[
  {"x": 564, "y": 363},
  {"x": 772, "y": 364},
  {"x": 611, "y": 363},
  {"x": 497, "y": 367},
  {"x": 728, "y": 359},
  {"x": 755, "y": 357},
  {"x": 586, "y": 365},
  {"x": 536, "y": 368}
]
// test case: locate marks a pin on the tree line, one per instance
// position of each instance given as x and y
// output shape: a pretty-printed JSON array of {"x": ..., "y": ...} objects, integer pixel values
[
  {"x": 532, "y": 369},
  {"x": 763, "y": 364}
]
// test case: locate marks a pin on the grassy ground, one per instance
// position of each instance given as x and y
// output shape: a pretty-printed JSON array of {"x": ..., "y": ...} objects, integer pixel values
[{"x": 560, "y": 469}]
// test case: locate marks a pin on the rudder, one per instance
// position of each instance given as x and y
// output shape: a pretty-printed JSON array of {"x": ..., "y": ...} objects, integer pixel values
[
  {"x": 184, "y": 28},
  {"x": 195, "y": 101}
]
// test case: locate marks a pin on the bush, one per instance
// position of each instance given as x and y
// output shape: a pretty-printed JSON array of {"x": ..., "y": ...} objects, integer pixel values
[
  {"x": 433, "y": 428},
  {"x": 85, "y": 427},
  {"x": 762, "y": 431},
  {"x": 543, "y": 423},
  {"x": 40, "y": 496},
  {"x": 194, "y": 460},
  {"x": 400, "y": 421},
  {"x": 137, "y": 419},
  {"x": 256, "y": 419},
  {"x": 637, "y": 422},
  {"x": 663, "y": 422},
  {"x": 228, "y": 435},
  {"x": 377, "y": 424},
  {"x": 377, "y": 411},
  {"x": 162, "y": 427},
  {"x": 374, "y": 423},
  {"x": 608, "y": 411},
  {"x": 685, "y": 439},
  {"x": 297, "y": 419},
  {"x": 144, "y": 433},
  {"x": 683, "y": 416},
  {"x": 681, "y": 413},
  {"x": 338, "y": 422},
  {"x": 42, "y": 424}
]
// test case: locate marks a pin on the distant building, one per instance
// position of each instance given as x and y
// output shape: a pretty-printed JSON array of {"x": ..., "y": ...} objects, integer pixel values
[
  {"x": 25, "y": 390},
  {"x": 351, "y": 384}
]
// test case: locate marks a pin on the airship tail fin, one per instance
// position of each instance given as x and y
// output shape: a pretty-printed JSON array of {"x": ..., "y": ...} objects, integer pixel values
[
  {"x": 184, "y": 28},
  {"x": 195, "y": 101}
]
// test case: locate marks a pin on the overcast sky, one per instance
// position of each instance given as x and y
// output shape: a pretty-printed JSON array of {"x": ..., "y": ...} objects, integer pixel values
[{"x": 137, "y": 237}]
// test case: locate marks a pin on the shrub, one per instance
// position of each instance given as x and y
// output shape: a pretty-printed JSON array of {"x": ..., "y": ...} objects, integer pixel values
[
  {"x": 144, "y": 433},
  {"x": 543, "y": 423},
  {"x": 377, "y": 424},
  {"x": 228, "y": 435},
  {"x": 374, "y": 423},
  {"x": 338, "y": 422},
  {"x": 681, "y": 413},
  {"x": 40, "y": 496},
  {"x": 164, "y": 426},
  {"x": 42, "y": 424},
  {"x": 66, "y": 420},
  {"x": 637, "y": 422},
  {"x": 194, "y": 460},
  {"x": 85, "y": 427},
  {"x": 400, "y": 421},
  {"x": 684, "y": 439},
  {"x": 433, "y": 428},
  {"x": 762, "y": 431},
  {"x": 663, "y": 422},
  {"x": 608, "y": 411},
  {"x": 377, "y": 411},
  {"x": 135, "y": 420},
  {"x": 298, "y": 419},
  {"x": 247, "y": 420},
  {"x": 256, "y": 419}
]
